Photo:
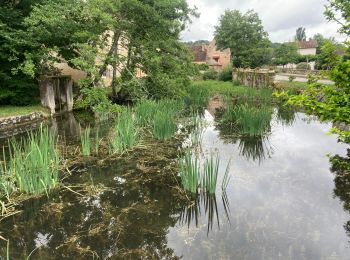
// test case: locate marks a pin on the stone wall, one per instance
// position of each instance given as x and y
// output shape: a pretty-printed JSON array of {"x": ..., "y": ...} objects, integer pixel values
[
  {"x": 19, "y": 124},
  {"x": 254, "y": 78}
]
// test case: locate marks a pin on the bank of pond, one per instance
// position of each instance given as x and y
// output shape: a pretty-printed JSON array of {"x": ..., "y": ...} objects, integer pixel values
[{"x": 224, "y": 171}]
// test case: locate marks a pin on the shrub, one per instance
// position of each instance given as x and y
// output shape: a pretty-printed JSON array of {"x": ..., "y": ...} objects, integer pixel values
[
  {"x": 303, "y": 66},
  {"x": 225, "y": 74},
  {"x": 291, "y": 78},
  {"x": 210, "y": 75}
]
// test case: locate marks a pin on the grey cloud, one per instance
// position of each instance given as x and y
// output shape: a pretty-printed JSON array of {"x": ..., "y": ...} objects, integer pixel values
[{"x": 280, "y": 17}]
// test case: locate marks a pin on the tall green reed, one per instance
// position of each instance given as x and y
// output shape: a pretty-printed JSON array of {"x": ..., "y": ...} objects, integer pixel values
[
  {"x": 190, "y": 172},
  {"x": 85, "y": 141},
  {"x": 125, "y": 133},
  {"x": 210, "y": 176},
  {"x": 164, "y": 125},
  {"x": 33, "y": 163}
]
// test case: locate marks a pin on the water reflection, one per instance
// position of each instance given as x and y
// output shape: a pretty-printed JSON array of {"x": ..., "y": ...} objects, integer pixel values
[
  {"x": 286, "y": 114},
  {"x": 207, "y": 204},
  {"x": 340, "y": 166}
]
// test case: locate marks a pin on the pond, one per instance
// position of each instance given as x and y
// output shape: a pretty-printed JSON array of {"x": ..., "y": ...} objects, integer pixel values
[{"x": 284, "y": 201}]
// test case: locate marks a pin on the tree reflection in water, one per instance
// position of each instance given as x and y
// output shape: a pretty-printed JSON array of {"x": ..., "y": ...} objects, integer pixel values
[
  {"x": 286, "y": 114},
  {"x": 191, "y": 213},
  {"x": 341, "y": 168}
]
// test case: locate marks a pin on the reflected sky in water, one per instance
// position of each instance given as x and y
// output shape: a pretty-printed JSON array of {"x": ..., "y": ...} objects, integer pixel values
[{"x": 281, "y": 205}]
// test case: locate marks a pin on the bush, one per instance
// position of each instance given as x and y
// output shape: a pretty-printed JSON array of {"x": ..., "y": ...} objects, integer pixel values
[
  {"x": 303, "y": 66},
  {"x": 226, "y": 74},
  {"x": 210, "y": 75}
]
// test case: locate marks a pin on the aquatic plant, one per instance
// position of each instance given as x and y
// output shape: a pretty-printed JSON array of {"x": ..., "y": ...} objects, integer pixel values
[
  {"x": 164, "y": 125},
  {"x": 97, "y": 141},
  {"x": 286, "y": 114},
  {"x": 210, "y": 176},
  {"x": 226, "y": 178},
  {"x": 85, "y": 141},
  {"x": 197, "y": 132},
  {"x": 190, "y": 172},
  {"x": 125, "y": 133},
  {"x": 248, "y": 120},
  {"x": 197, "y": 98},
  {"x": 145, "y": 110},
  {"x": 33, "y": 165}
]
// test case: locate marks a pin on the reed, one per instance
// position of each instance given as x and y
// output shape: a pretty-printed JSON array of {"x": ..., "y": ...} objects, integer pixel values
[
  {"x": 33, "y": 165},
  {"x": 211, "y": 172},
  {"x": 97, "y": 141},
  {"x": 197, "y": 98},
  {"x": 226, "y": 178},
  {"x": 164, "y": 125},
  {"x": 190, "y": 172},
  {"x": 125, "y": 133},
  {"x": 85, "y": 141},
  {"x": 145, "y": 111},
  {"x": 249, "y": 121},
  {"x": 198, "y": 130}
]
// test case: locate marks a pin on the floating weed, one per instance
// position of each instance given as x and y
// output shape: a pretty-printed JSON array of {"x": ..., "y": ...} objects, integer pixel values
[
  {"x": 125, "y": 133},
  {"x": 190, "y": 172},
  {"x": 85, "y": 141}
]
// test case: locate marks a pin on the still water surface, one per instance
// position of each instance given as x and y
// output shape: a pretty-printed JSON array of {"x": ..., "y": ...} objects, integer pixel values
[{"x": 280, "y": 204}]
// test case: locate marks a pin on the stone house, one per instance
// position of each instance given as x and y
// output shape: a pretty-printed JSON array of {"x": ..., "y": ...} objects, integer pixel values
[
  {"x": 209, "y": 54},
  {"x": 307, "y": 47}
]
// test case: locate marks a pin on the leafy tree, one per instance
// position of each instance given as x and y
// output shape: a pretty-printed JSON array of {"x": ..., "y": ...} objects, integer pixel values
[
  {"x": 300, "y": 35},
  {"x": 328, "y": 58},
  {"x": 245, "y": 36},
  {"x": 286, "y": 53},
  {"x": 332, "y": 102},
  {"x": 17, "y": 81}
]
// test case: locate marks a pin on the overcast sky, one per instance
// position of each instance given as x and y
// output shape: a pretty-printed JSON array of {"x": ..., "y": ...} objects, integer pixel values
[{"x": 280, "y": 18}]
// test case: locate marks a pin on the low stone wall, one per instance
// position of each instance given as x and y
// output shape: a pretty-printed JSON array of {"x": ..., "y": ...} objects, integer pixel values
[
  {"x": 19, "y": 124},
  {"x": 254, "y": 78}
]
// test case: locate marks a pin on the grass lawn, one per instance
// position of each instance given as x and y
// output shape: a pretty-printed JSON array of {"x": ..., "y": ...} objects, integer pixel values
[{"x": 7, "y": 111}]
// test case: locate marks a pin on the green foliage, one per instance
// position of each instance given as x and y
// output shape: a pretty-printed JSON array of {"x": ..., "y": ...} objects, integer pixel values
[
  {"x": 291, "y": 78},
  {"x": 210, "y": 175},
  {"x": 248, "y": 120},
  {"x": 97, "y": 100},
  {"x": 190, "y": 172},
  {"x": 245, "y": 36},
  {"x": 202, "y": 66},
  {"x": 303, "y": 66},
  {"x": 339, "y": 11},
  {"x": 226, "y": 74},
  {"x": 125, "y": 133},
  {"x": 164, "y": 125},
  {"x": 210, "y": 75},
  {"x": 34, "y": 164},
  {"x": 85, "y": 141},
  {"x": 286, "y": 53},
  {"x": 300, "y": 35},
  {"x": 145, "y": 110},
  {"x": 328, "y": 58},
  {"x": 196, "y": 98}
]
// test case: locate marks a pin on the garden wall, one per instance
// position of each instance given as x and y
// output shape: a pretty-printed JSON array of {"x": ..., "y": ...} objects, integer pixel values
[{"x": 254, "y": 78}]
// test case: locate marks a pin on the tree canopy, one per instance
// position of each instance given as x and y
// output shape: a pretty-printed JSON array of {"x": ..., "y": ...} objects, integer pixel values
[
  {"x": 88, "y": 34},
  {"x": 300, "y": 35},
  {"x": 245, "y": 36}
]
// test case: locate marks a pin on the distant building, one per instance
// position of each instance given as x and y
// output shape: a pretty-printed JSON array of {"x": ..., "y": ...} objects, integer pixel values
[
  {"x": 210, "y": 55},
  {"x": 307, "y": 47}
]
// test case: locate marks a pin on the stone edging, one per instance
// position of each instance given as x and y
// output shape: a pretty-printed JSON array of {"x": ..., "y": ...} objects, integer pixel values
[{"x": 14, "y": 121}]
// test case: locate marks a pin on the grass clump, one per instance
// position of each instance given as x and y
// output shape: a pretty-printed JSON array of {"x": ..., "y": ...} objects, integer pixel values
[
  {"x": 210, "y": 176},
  {"x": 85, "y": 141},
  {"x": 145, "y": 111},
  {"x": 125, "y": 133},
  {"x": 164, "y": 125},
  {"x": 190, "y": 172},
  {"x": 33, "y": 165},
  {"x": 249, "y": 120}
]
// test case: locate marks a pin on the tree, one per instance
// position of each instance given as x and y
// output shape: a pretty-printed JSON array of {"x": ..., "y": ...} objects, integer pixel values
[
  {"x": 300, "y": 34},
  {"x": 17, "y": 81},
  {"x": 328, "y": 58},
  {"x": 245, "y": 36},
  {"x": 339, "y": 11},
  {"x": 286, "y": 53}
]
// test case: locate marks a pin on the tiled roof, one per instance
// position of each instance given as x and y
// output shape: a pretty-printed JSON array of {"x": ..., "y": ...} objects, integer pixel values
[
  {"x": 307, "y": 45},
  {"x": 199, "y": 53}
]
